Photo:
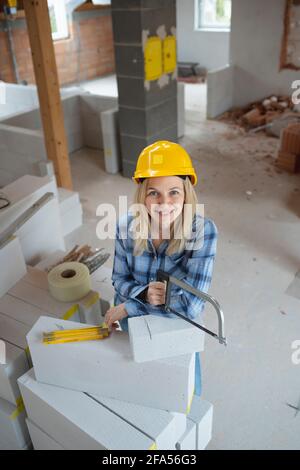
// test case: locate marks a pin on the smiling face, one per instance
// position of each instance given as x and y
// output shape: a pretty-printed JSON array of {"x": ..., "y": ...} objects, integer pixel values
[{"x": 164, "y": 199}]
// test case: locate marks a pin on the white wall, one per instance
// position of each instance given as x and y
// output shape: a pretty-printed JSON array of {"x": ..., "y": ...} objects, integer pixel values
[
  {"x": 255, "y": 44},
  {"x": 210, "y": 49}
]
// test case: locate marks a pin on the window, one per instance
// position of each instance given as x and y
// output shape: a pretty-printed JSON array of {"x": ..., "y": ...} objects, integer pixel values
[
  {"x": 58, "y": 19},
  {"x": 213, "y": 14}
]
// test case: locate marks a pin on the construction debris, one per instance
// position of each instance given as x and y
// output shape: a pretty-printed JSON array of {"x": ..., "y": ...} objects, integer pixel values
[
  {"x": 288, "y": 157},
  {"x": 262, "y": 115}
]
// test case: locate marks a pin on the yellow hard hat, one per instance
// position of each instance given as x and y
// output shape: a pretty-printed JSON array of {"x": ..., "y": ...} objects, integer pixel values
[{"x": 164, "y": 158}]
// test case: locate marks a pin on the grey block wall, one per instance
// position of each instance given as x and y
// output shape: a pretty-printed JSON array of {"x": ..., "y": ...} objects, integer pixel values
[
  {"x": 147, "y": 111},
  {"x": 22, "y": 146}
]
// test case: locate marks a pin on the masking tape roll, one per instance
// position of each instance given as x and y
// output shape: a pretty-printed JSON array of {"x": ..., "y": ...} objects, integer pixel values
[{"x": 69, "y": 281}]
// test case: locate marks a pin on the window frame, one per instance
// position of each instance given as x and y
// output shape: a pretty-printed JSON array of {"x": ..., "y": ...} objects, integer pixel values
[
  {"x": 197, "y": 21},
  {"x": 61, "y": 16}
]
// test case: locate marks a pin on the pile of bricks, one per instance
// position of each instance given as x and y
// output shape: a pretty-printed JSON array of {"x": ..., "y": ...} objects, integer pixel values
[{"x": 288, "y": 157}]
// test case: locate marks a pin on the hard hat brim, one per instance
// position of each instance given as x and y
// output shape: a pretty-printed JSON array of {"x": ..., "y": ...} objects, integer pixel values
[{"x": 157, "y": 173}]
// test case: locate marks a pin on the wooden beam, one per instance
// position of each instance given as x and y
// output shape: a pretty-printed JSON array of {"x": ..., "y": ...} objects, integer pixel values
[{"x": 43, "y": 56}]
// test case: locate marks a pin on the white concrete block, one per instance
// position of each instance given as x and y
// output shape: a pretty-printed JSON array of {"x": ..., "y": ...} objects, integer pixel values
[
  {"x": 67, "y": 200},
  {"x": 34, "y": 234},
  {"x": 220, "y": 90},
  {"x": 12, "y": 263},
  {"x": 201, "y": 414},
  {"x": 22, "y": 193},
  {"x": 188, "y": 439},
  {"x": 89, "y": 362},
  {"x": 153, "y": 337},
  {"x": 41, "y": 440},
  {"x": 14, "y": 434},
  {"x": 101, "y": 282},
  {"x": 77, "y": 421},
  {"x": 111, "y": 141},
  {"x": 46, "y": 168},
  {"x": 50, "y": 260},
  {"x": 163, "y": 427},
  {"x": 181, "y": 109},
  {"x": 71, "y": 220},
  {"x": 89, "y": 309},
  {"x": 16, "y": 365}
]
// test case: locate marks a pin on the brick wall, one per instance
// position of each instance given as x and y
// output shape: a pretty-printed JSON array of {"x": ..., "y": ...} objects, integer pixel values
[{"x": 87, "y": 54}]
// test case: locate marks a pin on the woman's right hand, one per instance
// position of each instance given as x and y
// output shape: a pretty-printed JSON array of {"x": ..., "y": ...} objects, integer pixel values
[{"x": 156, "y": 293}]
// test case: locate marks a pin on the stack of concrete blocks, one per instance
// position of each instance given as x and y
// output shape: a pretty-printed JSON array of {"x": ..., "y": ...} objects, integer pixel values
[
  {"x": 25, "y": 299},
  {"x": 288, "y": 157},
  {"x": 109, "y": 401},
  {"x": 87, "y": 409},
  {"x": 13, "y": 359},
  {"x": 147, "y": 109},
  {"x": 42, "y": 233},
  {"x": 22, "y": 142},
  {"x": 17, "y": 98},
  {"x": 45, "y": 231}
]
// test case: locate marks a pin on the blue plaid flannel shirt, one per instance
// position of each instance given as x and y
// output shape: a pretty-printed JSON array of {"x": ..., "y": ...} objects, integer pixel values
[{"x": 132, "y": 274}]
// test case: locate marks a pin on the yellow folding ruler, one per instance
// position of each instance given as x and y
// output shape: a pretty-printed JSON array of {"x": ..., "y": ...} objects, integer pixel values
[{"x": 80, "y": 334}]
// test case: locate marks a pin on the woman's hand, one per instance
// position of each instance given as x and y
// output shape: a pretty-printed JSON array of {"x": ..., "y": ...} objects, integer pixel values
[
  {"x": 156, "y": 293},
  {"x": 115, "y": 314}
]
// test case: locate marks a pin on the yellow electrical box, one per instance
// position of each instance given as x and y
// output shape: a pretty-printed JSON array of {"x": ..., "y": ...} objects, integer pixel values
[
  {"x": 169, "y": 54},
  {"x": 153, "y": 58}
]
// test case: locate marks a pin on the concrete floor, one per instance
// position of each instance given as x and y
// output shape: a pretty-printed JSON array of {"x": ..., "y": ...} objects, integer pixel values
[{"x": 256, "y": 209}]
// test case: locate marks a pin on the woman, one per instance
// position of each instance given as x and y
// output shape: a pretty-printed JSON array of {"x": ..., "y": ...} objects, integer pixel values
[{"x": 167, "y": 233}]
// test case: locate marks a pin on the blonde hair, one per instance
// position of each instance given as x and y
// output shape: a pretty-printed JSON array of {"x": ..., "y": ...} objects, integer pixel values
[{"x": 181, "y": 225}]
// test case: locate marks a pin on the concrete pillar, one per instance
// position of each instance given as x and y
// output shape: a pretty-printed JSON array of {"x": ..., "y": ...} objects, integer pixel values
[{"x": 146, "y": 74}]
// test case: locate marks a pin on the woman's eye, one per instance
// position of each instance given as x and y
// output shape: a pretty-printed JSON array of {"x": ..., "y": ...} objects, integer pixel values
[
  {"x": 174, "y": 193},
  {"x": 153, "y": 193}
]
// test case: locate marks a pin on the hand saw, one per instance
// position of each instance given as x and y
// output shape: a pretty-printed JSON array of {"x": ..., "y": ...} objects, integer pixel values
[{"x": 163, "y": 276}]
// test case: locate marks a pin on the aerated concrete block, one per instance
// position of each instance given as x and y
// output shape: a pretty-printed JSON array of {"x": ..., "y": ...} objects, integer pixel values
[
  {"x": 132, "y": 145},
  {"x": 77, "y": 421},
  {"x": 163, "y": 427},
  {"x": 201, "y": 414},
  {"x": 188, "y": 439},
  {"x": 133, "y": 93},
  {"x": 150, "y": 120},
  {"x": 89, "y": 309},
  {"x": 14, "y": 434},
  {"x": 16, "y": 364},
  {"x": 41, "y": 440},
  {"x": 153, "y": 337},
  {"x": 12, "y": 264},
  {"x": 89, "y": 362}
]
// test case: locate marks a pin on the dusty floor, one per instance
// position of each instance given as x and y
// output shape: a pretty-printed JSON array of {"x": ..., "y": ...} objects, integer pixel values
[{"x": 257, "y": 210}]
